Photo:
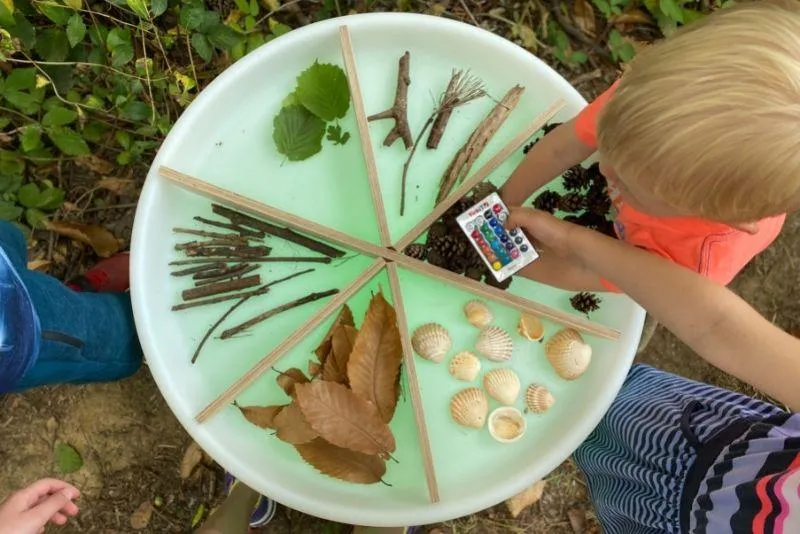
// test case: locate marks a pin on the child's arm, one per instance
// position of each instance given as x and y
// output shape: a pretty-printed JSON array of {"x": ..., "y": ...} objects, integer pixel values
[
  {"x": 717, "y": 324},
  {"x": 552, "y": 155},
  {"x": 563, "y": 273}
]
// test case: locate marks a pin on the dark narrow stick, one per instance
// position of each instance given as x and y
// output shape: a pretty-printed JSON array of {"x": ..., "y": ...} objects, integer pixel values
[
  {"x": 198, "y": 269},
  {"x": 236, "y": 228},
  {"x": 249, "y": 269},
  {"x": 212, "y": 235},
  {"x": 260, "y": 291},
  {"x": 225, "y": 270},
  {"x": 271, "y": 259},
  {"x": 189, "y": 245},
  {"x": 222, "y": 287},
  {"x": 261, "y": 252},
  {"x": 223, "y": 298},
  {"x": 230, "y": 332},
  {"x": 284, "y": 233}
]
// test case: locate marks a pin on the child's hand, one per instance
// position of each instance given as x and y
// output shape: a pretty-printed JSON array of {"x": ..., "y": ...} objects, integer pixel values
[
  {"x": 28, "y": 510},
  {"x": 545, "y": 229}
]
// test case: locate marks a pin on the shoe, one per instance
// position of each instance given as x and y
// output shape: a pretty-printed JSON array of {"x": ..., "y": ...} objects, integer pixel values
[
  {"x": 111, "y": 275},
  {"x": 263, "y": 511}
]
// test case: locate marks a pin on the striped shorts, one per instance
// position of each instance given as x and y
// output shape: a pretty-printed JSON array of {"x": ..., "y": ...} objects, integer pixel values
[{"x": 637, "y": 459}]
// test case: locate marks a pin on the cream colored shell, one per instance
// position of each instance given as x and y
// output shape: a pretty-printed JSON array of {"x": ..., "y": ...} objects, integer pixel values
[
  {"x": 478, "y": 313},
  {"x": 538, "y": 399},
  {"x": 507, "y": 424},
  {"x": 469, "y": 407},
  {"x": 502, "y": 385},
  {"x": 530, "y": 327},
  {"x": 431, "y": 341},
  {"x": 495, "y": 344},
  {"x": 465, "y": 366},
  {"x": 568, "y": 353}
]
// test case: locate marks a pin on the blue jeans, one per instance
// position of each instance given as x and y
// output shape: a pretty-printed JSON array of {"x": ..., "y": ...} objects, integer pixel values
[{"x": 86, "y": 337}]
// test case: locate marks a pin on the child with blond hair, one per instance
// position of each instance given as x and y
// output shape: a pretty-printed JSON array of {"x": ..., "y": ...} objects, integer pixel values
[{"x": 698, "y": 143}]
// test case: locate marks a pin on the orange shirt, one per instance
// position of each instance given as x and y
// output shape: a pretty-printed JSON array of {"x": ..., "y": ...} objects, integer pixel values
[{"x": 713, "y": 249}]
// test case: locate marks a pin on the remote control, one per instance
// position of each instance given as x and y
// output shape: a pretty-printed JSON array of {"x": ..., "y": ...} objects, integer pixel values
[{"x": 504, "y": 252}]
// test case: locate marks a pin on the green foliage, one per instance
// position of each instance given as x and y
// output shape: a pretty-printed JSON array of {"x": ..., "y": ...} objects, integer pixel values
[
  {"x": 67, "y": 458},
  {"x": 336, "y": 136},
  {"x": 562, "y": 47},
  {"x": 322, "y": 89},
  {"x": 297, "y": 133}
]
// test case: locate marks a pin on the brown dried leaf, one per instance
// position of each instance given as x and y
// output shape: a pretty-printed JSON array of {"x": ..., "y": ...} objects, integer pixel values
[
  {"x": 191, "y": 459},
  {"x": 101, "y": 240},
  {"x": 583, "y": 13},
  {"x": 120, "y": 186},
  {"x": 289, "y": 378},
  {"x": 345, "y": 317},
  {"x": 335, "y": 369},
  {"x": 343, "y": 418},
  {"x": 528, "y": 497},
  {"x": 93, "y": 163},
  {"x": 38, "y": 265},
  {"x": 344, "y": 464},
  {"x": 141, "y": 517},
  {"x": 291, "y": 426},
  {"x": 314, "y": 368},
  {"x": 377, "y": 355},
  {"x": 261, "y": 416},
  {"x": 636, "y": 16}
]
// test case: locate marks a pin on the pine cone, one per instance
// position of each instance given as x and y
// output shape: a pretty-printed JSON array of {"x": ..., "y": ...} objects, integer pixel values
[
  {"x": 585, "y": 302},
  {"x": 597, "y": 222},
  {"x": 572, "y": 202},
  {"x": 416, "y": 251},
  {"x": 576, "y": 179},
  {"x": 574, "y": 219},
  {"x": 550, "y": 127},
  {"x": 547, "y": 201},
  {"x": 527, "y": 148},
  {"x": 436, "y": 231},
  {"x": 490, "y": 280},
  {"x": 594, "y": 175},
  {"x": 481, "y": 191},
  {"x": 597, "y": 200}
]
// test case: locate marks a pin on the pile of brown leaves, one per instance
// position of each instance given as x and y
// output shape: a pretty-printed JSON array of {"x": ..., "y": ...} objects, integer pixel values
[{"x": 338, "y": 418}]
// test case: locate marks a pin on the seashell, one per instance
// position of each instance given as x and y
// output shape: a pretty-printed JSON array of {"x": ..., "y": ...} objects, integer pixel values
[
  {"x": 495, "y": 344},
  {"x": 431, "y": 341},
  {"x": 507, "y": 424},
  {"x": 478, "y": 313},
  {"x": 538, "y": 399},
  {"x": 502, "y": 385},
  {"x": 465, "y": 366},
  {"x": 469, "y": 407},
  {"x": 568, "y": 353},
  {"x": 530, "y": 327}
]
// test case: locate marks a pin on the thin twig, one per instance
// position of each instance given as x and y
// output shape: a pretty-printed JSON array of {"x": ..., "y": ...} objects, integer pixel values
[
  {"x": 206, "y": 281},
  {"x": 198, "y": 269},
  {"x": 212, "y": 235},
  {"x": 270, "y": 259},
  {"x": 221, "y": 287},
  {"x": 235, "y": 227}
]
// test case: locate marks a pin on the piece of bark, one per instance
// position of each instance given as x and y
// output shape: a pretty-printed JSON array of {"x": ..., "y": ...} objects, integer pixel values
[
  {"x": 207, "y": 281},
  {"x": 465, "y": 157},
  {"x": 399, "y": 110},
  {"x": 221, "y": 287},
  {"x": 442, "y": 118},
  {"x": 199, "y": 269}
]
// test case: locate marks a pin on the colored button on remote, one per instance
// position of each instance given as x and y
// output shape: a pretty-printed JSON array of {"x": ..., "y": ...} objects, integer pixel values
[
  {"x": 503, "y": 237},
  {"x": 497, "y": 266},
  {"x": 518, "y": 240},
  {"x": 487, "y": 214},
  {"x": 509, "y": 246},
  {"x": 497, "y": 208},
  {"x": 512, "y": 232},
  {"x": 524, "y": 248},
  {"x": 515, "y": 254}
]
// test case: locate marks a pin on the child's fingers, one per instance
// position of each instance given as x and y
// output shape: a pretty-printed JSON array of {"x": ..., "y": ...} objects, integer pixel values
[
  {"x": 40, "y": 490},
  {"x": 47, "y": 509},
  {"x": 58, "y": 519}
]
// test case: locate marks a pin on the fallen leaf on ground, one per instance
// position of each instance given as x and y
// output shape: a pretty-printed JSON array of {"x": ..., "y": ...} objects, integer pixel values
[
  {"x": 93, "y": 163},
  {"x": 67, "y": 458},
  {"x": 261, "y": 416},
  {"x": 120, "y": 186},
  {"x": 343, "y": 418},
  {"x": 335, "y": 368},
  {"x": 583, "y": 13},
  {"x": 191, "y": 459},
  {"x": 632, "y": 17},
  {"x": 577, "y": 520},
  {"x": 376, "y": 358},
  {"x": 141, "y": 517},
  {"x": 291, "y": 426},
  {"x": 101, "y": 240},
  {"x": 289, "y": 378},
  {"x": 343, "y": 464},
  {"x": 345, "y": 317},
  {"x": 523, "y": 500},
  {"x": 38, "y": 265}
]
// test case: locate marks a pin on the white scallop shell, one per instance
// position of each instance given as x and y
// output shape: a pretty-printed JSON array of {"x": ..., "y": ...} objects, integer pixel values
[
  {"x": 478, "y": 313},
  {"x": 538, "y": 399},
  {"x": 502, "y": 385},
  {"x": 432, "y": 342},
  {"x": 469, "y": 407},
  {"x": 568, "y": 353},
  {"x": 465, "y": 366},
  {"x": 495, "y": 344},
  {"x": 530, "y": 327},
  {"x": 507, "y": 424}
]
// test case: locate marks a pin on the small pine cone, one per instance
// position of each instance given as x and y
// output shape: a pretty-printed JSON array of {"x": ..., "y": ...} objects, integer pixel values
[
  {"x": 416, "y": 251},
  {"x": 437, "y": 231},
  {"x": 547, "y": 201},
  {"x": 585, "y": 302},
  {"x": 474, "y": 273},
  {"x": 572, "y": 202},
  {"x": 437, "y": 259},
  {"x": 592, "y": 220},
  {"x": 527, "y": 148},
  {"x": 594, "y": 175},
  {"x": 481, "y": 191},
  {"x": 575, "y": 179},
  {"x": 574, "y": 219},
  {"x": 490, "y": 280}
]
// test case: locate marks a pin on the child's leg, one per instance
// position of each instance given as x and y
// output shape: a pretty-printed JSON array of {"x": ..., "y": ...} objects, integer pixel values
[{"x": 233, "y": 515}]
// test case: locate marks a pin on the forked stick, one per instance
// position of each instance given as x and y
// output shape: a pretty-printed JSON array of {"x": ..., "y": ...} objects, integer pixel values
[
  {"x": 236, "y": 389},
  {"x": 303, "y": 225},
  {"x": 481, "y": 174},
  {"x": 363, "y": 133},
  {"x": 416, "y": 397}
]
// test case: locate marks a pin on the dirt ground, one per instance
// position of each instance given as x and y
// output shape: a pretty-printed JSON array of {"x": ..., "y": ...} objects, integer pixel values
[{"x": 132, "y": 445}]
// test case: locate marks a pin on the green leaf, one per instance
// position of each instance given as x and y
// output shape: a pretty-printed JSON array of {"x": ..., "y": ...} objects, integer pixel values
[
  {"x": 278, "y": 28},
  {"x": 51, "y": 199},
  {"x": 68, "y": 141},
  {"x": 53, "y": 45},
  {"x": 59, "y": 15},
  {"x": 192, "y": 17},
  {"x": 120, "y": 45},
  {"x": 136, "y": 110},
  {"x": 23, "y": 30},
  {"x": 291, "y": 100},
  {"x": 336, "y": 136},
  {"x": 21, "y": 80},
  {"x": 322, "y": 89},
  {"x": 34, "y": 218},
  {"x": 671, "y": 9},
  {"x": 158, "y": 7},
  {"x": 11, "y": 163},
  {"x": 76, "y": 29},
  {"x": 67, "y": 458},
  {"x": 25, "y": 102},
  {"x": 139, "y": 7},
  {"x": 28, "y": 195},
  {"x": 202, "y": 46},
  {"x": 223, "y": 37},
  {"x": 31, "y": 137},
  {"x": 9, "y": 211},
  {"x": 124, "y": 139},
  {"x": 297, "y": 133},
  {"x": 58, "y": 116},
  {"x": 10, "y": 183}
]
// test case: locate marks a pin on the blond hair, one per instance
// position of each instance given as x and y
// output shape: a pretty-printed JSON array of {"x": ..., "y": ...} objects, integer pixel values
[{"x": 708, "y": 120}]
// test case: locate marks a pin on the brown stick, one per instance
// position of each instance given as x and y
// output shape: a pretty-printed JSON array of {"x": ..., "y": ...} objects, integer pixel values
[
  {"x": 407, "y": 164},
  {"x": 242, "y": 219},
  {"x": 199, "y": 269},
  {"x": 399, "y": 110},
  {"x": 269, "y": 259},
  {"x": 463, "y": 160},
  {"x": 189, "y": 245},
  {"x": 442, "y": 118},
  {"x": 230, "y": 332},
  {"x": 225, "y": 270},
  {"x": 212, "y": 235},
  {"x": 233, "y": 252},
  {"x": 248, "y": 269},
  {"x": 222, "y": 287},
  {"x": 244, "y": 232},
  {"x": 223, "y": 298}
]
